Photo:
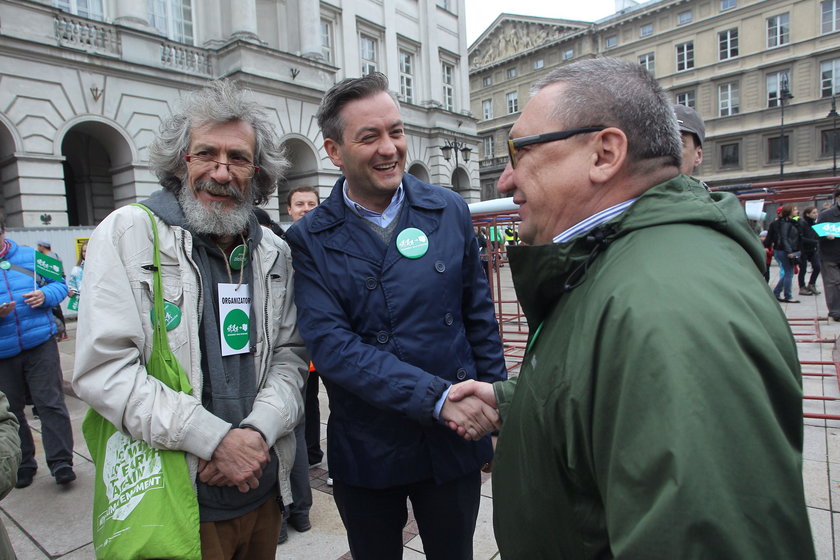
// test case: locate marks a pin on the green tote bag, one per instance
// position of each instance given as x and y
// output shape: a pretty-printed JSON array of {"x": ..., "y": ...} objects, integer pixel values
[{"x": 144, "y": 503}]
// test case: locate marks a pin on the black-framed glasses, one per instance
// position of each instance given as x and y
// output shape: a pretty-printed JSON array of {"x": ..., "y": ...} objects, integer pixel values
[
  {"x": 240, "y": 169},
  {"x": 514, "y": 144}
]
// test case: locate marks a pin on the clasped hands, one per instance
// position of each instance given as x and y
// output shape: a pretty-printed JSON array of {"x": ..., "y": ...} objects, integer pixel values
[
  {"x": 238, "y": 460},
  {"x": 470, "y": 409}
]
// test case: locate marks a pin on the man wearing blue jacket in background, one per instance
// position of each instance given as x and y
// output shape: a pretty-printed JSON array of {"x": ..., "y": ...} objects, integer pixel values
[
  {"x": 29, "y": 357},
  {"x": 395, "y": 308}
]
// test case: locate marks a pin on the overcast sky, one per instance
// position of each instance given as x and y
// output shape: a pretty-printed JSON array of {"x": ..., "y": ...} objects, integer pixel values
[{"x": 481, "y": 13}]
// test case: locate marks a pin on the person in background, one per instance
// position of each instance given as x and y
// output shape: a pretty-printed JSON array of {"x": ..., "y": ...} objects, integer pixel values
[
  {"x": 300, "y": 201},
  {"x": 692, "y": 134},
  {"x": 625, "y": 435},
  {"x": 74, "y": 281},
  {"x": 830, "y": 258},
  {"x": 29, "y": 359},
  {"x": 784, "y": 235},
  {"x": 810, "y": 252},
  {"x": 45, "y": 247}
]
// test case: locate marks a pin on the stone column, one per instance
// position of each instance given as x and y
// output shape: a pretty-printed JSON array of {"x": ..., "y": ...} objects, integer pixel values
[
  {"x": 309, "y": 18},
  {"x": 132, "y": 13},
  {"x": 243, "y": 20}
]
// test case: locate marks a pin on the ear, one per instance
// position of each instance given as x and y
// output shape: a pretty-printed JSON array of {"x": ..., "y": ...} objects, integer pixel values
[
  {"x": 609, "y": 155},
  {"x": 333, "y": 149},
  {"x": 698, "y": 156}
]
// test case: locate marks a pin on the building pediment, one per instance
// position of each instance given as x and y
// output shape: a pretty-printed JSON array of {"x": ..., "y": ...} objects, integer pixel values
[{"x": 511, "y": 35}]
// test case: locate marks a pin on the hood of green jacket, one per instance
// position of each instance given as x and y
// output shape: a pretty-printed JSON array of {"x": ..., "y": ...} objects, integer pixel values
[{"x": 543, "y": 273}]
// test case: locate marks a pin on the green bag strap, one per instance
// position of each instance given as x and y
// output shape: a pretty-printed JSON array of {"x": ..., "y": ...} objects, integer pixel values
[{"x": 160, "y": 342}]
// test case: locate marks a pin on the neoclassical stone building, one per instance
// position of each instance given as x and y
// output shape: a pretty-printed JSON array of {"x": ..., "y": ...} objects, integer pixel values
[
  {"x": 84, "y": 85},
  {"x": 732, "y": 60}
]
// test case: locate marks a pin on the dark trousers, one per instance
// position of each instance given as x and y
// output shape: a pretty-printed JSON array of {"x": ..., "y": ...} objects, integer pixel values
[
  {"x": 831, "y": 287},
  {"x": 445, "y": 514},
  {"x": 299, "y": 477},
  {"x": 312, "y": 410},
  {"x": 39, "y": 370},
  {"x": 814, "y": 259}
]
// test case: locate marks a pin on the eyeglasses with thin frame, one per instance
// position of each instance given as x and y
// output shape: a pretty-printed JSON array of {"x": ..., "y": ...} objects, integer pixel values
[
  {"x": 240, "y": 169},
  {"x": 514, "y": 144}
]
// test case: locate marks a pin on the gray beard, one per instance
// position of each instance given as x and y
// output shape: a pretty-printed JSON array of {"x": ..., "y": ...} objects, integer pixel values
[{"x": 214, "y": 219}]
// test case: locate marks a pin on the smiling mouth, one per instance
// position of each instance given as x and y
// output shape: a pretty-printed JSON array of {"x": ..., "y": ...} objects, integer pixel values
[{"x": 386, "y": 167}]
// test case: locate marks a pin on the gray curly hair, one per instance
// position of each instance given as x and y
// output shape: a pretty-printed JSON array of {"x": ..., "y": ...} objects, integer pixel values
[{"x": 220, "y": 102}]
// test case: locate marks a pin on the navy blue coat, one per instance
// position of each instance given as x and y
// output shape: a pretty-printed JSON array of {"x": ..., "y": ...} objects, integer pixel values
[{"x": 389, "y": 334}]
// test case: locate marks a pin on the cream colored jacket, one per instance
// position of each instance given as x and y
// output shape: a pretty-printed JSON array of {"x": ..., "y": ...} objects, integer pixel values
[{"x": 114, "y": 341}]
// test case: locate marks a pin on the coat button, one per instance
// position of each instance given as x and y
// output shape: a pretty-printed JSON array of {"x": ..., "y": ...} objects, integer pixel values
[
  {"x": 461, "y": 374},
  {"x": 440, "y": 266},
  {"x": 370, "y": 283},
  {"x": 381, "y": 337},
  {"x": 448, "y": 319}
]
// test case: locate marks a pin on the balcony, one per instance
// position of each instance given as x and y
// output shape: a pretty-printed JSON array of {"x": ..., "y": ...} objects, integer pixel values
[{"x": 83, "y": 34}]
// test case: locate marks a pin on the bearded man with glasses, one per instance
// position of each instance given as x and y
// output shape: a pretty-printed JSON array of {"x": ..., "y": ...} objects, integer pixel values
[
  {"x": 658, "y": 412},
  {"x": 236, "y": 425}
]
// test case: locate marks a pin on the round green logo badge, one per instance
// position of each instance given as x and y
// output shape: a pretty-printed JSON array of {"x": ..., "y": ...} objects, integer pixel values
[
  {"x": 172, "y": 315},
  {"x": 5, "y": 265},
  {"x": 235, "y": 329},
  {"x": 412, "y": 243},
  {"x": 238, "y": 257}
]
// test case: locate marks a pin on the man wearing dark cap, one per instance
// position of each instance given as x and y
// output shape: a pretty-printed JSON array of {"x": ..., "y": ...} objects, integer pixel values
[{"x": 693, "y": 132}]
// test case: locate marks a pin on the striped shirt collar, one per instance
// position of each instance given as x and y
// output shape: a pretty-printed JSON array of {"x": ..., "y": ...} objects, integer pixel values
[
  {"x": 382, "y": 219},
  {"x": 590, "y": 223}
]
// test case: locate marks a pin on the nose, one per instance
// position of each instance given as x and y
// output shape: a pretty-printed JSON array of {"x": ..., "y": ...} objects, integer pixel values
[
  {"x": 221, "y": 172},
  {"x": 387, "y": 147},
  {"x": 505, "y": 184}
]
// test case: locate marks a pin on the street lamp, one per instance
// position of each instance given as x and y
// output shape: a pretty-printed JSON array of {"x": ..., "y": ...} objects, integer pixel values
[
  {"x": 450, "y": 146},
  {"x": 784, "y": 95},
  {"x": 833, "y": 116}
]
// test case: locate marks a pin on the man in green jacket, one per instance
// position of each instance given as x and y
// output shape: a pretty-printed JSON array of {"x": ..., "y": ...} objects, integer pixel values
[{"x": 658, "y": 411}]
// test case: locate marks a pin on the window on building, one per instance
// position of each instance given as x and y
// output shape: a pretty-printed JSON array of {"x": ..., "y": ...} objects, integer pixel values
[
  {"x": 407, "y": 76},
  {"x": 443, "y": 4},
  {"x": 648, "y": 61},
  {"x": 512, "y": 102},
  {"x": 539, "y": 64},
  {"x": 829, "y": 142},
  {"x": 448, "y": 79},
  {"x": 685, "y": 98},
  {"x": 684, "y": 17},
  {"x": 568, "y": 54},
  {"x": 487, "y": 109},
  {"x": 369, "y": 53},
  {"x": 645, "y": 30},
  {"x": 727, "y": 4},
  {"x": 611, "y": 41},
  {"x": 487, "y": 80},
  {"x": 775, "y": 82},
  {"x": 776, "y": 148},
  {"x": 830, "y": 15},
  {"x": 829, "y": 70},
  {"x": 327, "y": 40},
  {"x": 172, "y": 18},
  {"x": 728, "y": 44},
  {"x": 488, "y": 147},
  {"x": 91, "y": 9},
  {"x": 730, "y": 155},
  {"x": 511, "y": 72},
  {"x": 778, "y": 30},
  {"x": 685, "y": 56},
  {"x": 728, "y": 99}
]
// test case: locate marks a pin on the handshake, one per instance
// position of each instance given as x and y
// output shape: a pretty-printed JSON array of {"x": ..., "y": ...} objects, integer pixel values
[{"x": 470, "y": 409}]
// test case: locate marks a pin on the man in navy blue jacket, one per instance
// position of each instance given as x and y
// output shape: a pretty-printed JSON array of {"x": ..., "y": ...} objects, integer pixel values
[
  {"x": 394, "y": 308},
  {"x": 29, "y": 358}
]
